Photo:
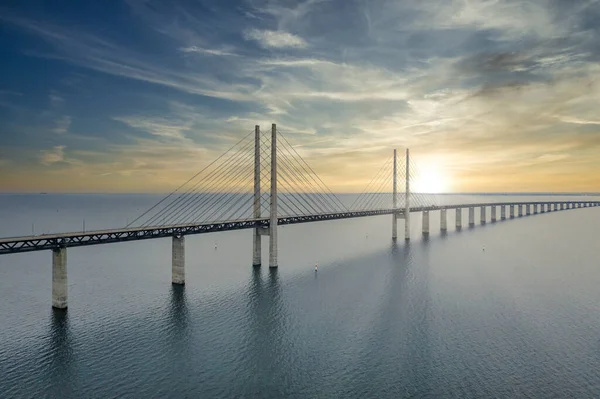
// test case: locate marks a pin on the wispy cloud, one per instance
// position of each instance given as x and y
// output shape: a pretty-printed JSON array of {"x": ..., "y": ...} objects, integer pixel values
[
  {"x": 56, "y": 100},
  {"x": 62, "y": 124},
  {"x": 200, "y": 50},
  {"x": 479, "y": 83},
  {"x": 275, "y": 39},
  {"x": 52, "y": 156}
]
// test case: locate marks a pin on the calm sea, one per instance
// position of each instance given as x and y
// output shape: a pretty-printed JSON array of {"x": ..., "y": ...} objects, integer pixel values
[{"x": 507, "y": 310}]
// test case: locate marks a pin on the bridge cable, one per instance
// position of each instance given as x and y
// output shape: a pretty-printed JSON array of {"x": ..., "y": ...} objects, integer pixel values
[{"x": 190, "y": 179}]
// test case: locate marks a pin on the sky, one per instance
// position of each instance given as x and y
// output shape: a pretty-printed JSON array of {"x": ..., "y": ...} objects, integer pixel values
[{"x": 138, "y": 95}]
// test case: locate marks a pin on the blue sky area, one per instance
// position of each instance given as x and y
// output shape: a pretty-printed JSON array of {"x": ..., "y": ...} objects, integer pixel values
[{"x": 137, "y": 95}]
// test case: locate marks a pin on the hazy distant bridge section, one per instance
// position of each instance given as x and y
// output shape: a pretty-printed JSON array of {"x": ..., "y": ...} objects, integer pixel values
[{"x": 260, "y": 183}]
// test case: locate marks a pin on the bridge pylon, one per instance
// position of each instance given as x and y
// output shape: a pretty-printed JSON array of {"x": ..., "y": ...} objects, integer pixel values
[
  {"x": 407, "y": 202},
  {"x": 271, "y": 231},
  {"x": 273, "y": 208},
  {"x": 256, "y": 247},
  {"x": 395, "y": 202},
  {"x": 395, "y": 213}
]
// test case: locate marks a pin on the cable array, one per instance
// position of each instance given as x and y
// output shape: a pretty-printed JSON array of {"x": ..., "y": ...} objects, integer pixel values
[
  {"x": 418, "y": 198},
  {"x": 221, "y": 191},
  {"x": 302, "y": 192},
  {"x": 378, "y": 194},
  {"x": 224, "y": 190}
]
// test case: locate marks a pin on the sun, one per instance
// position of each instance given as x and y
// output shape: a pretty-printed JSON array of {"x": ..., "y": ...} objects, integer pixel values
[{"x": 431, "y": 179}]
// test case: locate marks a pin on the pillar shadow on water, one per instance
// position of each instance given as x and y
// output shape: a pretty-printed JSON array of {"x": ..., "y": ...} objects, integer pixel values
[
  {"x": 178, "y": 338},
  {"x": 178, "y": 311},
  {"x": 60, "y": 356},
  {"x": 395, "y": 359},
  {"x": 265, "y": 369}
]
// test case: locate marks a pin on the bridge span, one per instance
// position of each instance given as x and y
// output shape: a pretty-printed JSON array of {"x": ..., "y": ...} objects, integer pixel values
[
  {"x": 41, "y": 242},
  {"x": 299, "y": 205}
]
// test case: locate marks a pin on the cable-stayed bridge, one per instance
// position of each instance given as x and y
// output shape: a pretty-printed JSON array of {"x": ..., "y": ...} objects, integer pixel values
[{"x": 260, "y": 183}]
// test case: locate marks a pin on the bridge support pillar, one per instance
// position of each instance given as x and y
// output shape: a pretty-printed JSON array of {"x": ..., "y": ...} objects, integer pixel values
[
  {"x": 520, "y": 210},
  {"x": 256, "y": 242},
  {"x": 528, "y": 209},
  {"x": 425, "y": 223},
  {"x": 493, "y": 213},
  {"x": 407, "y": 201},
  {"x": 178, "y": 260},
  {"x": 394, "y": 203},
  {"x": 503, "y": 212},
  {"x": 273, "y": 213},
  {"x": 443, "y": 221},
  {"x": 512, "y": 211},
  {"x": 458, "y": 218},
  {"x": 59, "y": 278},
  {"x": 482, "y": 215},
  {"x": 471, "y": 216}
]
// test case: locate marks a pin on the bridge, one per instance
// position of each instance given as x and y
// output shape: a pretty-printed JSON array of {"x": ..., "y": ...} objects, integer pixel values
[{"x": 261, "y": 183}]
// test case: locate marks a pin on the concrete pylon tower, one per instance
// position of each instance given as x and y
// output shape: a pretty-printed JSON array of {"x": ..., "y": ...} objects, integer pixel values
[
  {"x": 256, "y": 250},
  {"x": 394, "y": 203},
  {"x": 407, "y": 202},
  {"x": 273, "y": 210}
]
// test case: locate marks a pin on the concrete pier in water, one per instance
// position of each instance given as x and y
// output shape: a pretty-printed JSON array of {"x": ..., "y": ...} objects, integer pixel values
[
  {"x": 425, "y": 223},
  {"x": 503, "y": 212},
  {"x": 59, "y": 278},
  {"x": 458, "y": 218},
  {"x": 178, "y": 260},
  {"x": 471, "y": 217},
  {"x": 482, "y": 215},
  {"x": 493, "y": 214},
  {"x": 443, "y": 220}
]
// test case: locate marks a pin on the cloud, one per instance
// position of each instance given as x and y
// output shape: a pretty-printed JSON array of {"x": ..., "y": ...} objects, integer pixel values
[
  {"x": 480, "y": 83},
  {"x": 170, "y": 129},
  {"x": 62, "y": 124},
  {"x": 195, "y": 49},
  {"x": 275, "y": 39},
  {"x": 55, "y": 155},
  {"x": 569, "y": 119},
  {"x": 56, "y": 100}
]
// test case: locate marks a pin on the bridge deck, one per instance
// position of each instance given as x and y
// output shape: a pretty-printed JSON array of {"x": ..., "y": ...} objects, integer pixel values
[{"x": 75, "y": 239}]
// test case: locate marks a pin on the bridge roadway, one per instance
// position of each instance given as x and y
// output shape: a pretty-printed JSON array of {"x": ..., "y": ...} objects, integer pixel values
[{"x": 77, "y": 239}]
